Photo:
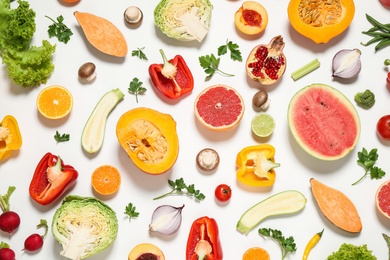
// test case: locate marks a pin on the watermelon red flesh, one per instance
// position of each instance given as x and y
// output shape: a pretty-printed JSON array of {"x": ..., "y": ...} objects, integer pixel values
[
  {"x": 219, "y": 106},
  {"x": 324, "y": 123},
  {"x": 384, "y": 199}
]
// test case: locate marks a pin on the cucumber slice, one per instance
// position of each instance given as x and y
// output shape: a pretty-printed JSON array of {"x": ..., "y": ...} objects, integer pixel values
[
  {"x": 93, "y": 132},
  {"x": 285, "y": 202}
]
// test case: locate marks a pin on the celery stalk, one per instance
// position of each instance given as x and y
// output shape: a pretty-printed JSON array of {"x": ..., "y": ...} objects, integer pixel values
[{"x": 306, "y": 69}]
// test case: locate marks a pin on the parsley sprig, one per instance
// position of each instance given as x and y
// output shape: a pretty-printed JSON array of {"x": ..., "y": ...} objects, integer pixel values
[
  {"x": 367, "y": 160},
  {"x": 59, "y": 29},
  {"x": 287, "y": 244},
  {"x": 210, "y": 64},
  {"x": 139, "y": 52},
  {"x": 61, "y": 137},
  {"x": 130, "y": 210},
  {"x": 136, "y": 88},
  {"x": 235, "y": 53},
  {"x": 179, "y": 187}
]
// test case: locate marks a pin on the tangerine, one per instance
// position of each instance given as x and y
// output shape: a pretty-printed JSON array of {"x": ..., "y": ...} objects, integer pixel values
[
  {"x": 106, "y": 180},
  {"x": 219, "y": 107},
  {"x": 54, "y": 102},
  {"x": 256, "y": 253}
]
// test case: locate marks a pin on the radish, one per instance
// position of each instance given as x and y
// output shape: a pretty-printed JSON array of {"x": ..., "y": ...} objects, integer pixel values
[
  {"x": 9, "y": 220},
  {"x": 6, "y": 253},
  {"x": 34, "y": 242}
]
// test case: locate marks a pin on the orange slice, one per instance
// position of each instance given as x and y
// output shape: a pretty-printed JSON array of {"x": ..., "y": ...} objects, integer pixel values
[
  {"x": 106, "y": 179},
  {"x": 256, "y": 253},
  {"x": 54, "y": 102}
]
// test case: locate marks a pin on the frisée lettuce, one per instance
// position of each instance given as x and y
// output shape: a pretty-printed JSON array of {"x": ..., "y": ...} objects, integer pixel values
[
  {"x": 184, "y": 20},
  {"x": 84, "y": 226}
]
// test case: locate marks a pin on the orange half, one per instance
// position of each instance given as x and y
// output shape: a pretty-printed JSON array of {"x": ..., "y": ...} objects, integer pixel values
[
  {"x": 54, "y": 102},
  {"x": 256, "y": 253},
  {"x": 106, "y": 180}
]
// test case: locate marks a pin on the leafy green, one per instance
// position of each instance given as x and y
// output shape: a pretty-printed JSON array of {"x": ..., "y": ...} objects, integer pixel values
[
  {"x": 179, "y": 187},
  {"x": 235, "y": 53},
  {"x": 136, "y": 88},
  {"x": 367, "y": 160},
  {"x": 210, "y": 64},
  {"x": 61, "y": 138},
  {"x": 352, "y": 252},
  {"x": 27, "y": 66},
  {"x": 130, "y": 210},
  {"x": 286, "y": 244},
  {"x": 4, "y": 199},
  {"x": 139, "y": 52},
  {"x": 387, "y": 239},
  {"x": 59, "y": 29}
]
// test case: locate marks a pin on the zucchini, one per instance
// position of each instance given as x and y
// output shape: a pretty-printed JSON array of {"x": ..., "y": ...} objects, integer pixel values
[
  {"x": 285, "y": 202},
  {"x": 93, "y": 132}
]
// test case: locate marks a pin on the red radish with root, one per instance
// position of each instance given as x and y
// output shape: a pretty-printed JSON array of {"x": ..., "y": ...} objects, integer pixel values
[
  {"x": 35, "y": 241},
  {"x": 6, "y": 253},
  {"x": 9, "y": 220}
]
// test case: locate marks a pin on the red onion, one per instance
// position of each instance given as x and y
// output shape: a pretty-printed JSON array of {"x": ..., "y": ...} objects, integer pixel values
[
  {"x": 166, "y": 219},
  {"x": 346, "y": 63}
]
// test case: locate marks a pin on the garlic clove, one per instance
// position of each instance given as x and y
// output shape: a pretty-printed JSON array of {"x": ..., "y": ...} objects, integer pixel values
[
  {"x": 166, "y": 219},
  {"x": 346, "y": 63}
]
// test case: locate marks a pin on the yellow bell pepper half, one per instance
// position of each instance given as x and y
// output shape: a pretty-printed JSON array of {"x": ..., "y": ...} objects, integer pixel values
[
  {"x": 10, "y": 137},
  {"x": 255, "y": 165}
]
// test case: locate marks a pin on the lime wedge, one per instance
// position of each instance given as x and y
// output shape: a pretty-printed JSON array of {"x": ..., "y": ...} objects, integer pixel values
[{"x": 263, "y": 125}]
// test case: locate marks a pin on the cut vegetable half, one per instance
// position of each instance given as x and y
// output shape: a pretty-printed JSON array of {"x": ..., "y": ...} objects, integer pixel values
[
  {"x": 285, "y": 202},
  {"x": 93, "y": 133}
]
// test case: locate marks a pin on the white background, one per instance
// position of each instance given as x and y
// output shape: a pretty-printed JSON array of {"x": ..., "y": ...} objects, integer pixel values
[{"x": 296, "y": 168}]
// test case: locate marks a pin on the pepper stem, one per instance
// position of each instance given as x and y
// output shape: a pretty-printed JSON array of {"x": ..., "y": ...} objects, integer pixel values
[
  {"x": 203, "y": 248},
  {"x": 169, "y": 71}
]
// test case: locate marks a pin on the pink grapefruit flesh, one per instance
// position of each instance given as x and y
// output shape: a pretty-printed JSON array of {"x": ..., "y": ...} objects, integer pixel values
[
  {"x": 382, "y": 199},
  {"x": 219, "y": 107}
]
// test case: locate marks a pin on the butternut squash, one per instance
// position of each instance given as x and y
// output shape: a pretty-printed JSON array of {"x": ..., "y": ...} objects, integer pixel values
[
  {"x": 102, "y": 34},
  {"x": 320, "y": 20},
  {"x": 336, "y": 206},
  {"x": 149, "y": 138}
]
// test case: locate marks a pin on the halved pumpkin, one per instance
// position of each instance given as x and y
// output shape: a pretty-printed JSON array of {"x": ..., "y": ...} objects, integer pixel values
[
  {"x": 320, "y": 20},
  {"x": 149, "y": 138}
]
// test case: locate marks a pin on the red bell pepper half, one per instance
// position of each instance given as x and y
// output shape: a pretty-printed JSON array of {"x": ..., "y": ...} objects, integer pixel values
[
  {"x": 203, "y": 241},
  {"x": 51, "y": 179},
  {"x": 173, "y": 78}
]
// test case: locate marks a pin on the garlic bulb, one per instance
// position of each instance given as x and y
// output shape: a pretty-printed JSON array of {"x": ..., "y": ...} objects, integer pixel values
[
  {"x": 166, "y": 219},
  {"x": 346, "y": 63}
]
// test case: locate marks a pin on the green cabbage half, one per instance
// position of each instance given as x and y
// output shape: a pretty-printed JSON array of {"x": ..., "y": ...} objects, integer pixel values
[
  {"x": 184, "y": 20},
  {"x": 84, "y": 226}
]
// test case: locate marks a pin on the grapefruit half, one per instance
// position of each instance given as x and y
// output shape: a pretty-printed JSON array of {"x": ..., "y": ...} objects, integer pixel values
[
  {"x": 323, "y": 122},
  {"x": 219, "y": 107},
  {"x": 382, "y": 199}
]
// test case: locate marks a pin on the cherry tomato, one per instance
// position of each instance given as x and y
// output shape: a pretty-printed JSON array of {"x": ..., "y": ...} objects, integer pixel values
[
  {"x": 223, "y": 192},
  {"x": 383, "y": 127},
  {"x": 385, "y": 2}
]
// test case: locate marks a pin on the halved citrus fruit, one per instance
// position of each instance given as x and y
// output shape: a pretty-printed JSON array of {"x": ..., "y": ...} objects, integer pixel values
[
  {"x": 263, "y": 124},
  {"x": 382, "y": 199},
  {"x": 219, "y": 107},
  {"x": 106, "y": 180},
  {"x": 54, "y": 102},
  {"x": 256, "y": 253}
]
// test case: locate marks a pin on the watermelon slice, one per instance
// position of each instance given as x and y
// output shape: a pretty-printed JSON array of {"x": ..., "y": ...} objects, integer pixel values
[{"x": 323, "y": 122}]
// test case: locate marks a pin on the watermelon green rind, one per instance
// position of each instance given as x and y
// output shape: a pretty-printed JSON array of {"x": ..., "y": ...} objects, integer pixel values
[{"x": 323, "y": 122}]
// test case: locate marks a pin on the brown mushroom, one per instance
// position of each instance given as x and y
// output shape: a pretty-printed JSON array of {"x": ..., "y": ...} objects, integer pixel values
[
  {"x": 87, "y": 71},
  {"x": 207, "y": 159},
  {"x": 260, "y": 100}
]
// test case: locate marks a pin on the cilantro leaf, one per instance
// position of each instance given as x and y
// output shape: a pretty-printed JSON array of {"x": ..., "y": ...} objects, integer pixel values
[
  {"x": 61, "y": 138},
  {"x": 286, "y": 244},
  {"x": 130, "y": 210},
  {"x": 59, "y": 29},
  {"x": 139, "y": 53},
  {"x": 367, "y": 160},
  {"x": 235, "y": 53},
  {"x": 136, "y": 88},
  {"x": 179, "y": 187}
]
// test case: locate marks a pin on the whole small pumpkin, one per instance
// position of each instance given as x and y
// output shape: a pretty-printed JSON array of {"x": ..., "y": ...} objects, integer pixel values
[{"x": 320, "y": 20}]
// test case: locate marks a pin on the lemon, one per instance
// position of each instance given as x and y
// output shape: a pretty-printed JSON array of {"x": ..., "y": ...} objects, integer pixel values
[{"x": 263, "y": 124}]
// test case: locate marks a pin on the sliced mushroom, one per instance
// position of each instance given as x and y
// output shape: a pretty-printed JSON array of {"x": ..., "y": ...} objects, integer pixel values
[
  {"x": 207, "y": 159},
  {"x": 87, "y": 71}
]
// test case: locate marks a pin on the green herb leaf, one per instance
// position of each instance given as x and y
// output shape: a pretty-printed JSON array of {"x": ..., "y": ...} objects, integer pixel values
[
  {"x": 59, "y": 29},
  {"x": 210, "y": 64},
  {"x": 367, "y": 160},
  {"x": 130, "y": 210},
  {"x": 139, "y": 53},
  {"x": 136, "y": 88},
  {"x": 235, "y": 53},
  {"x": 287, "y": 244},
  {"x": 179, "y": 187},
  {"x": 61, "y": 138}
]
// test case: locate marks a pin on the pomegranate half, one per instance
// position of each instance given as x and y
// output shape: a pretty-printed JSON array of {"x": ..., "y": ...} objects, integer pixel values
[
  {"x": 267, "y": 63},
  {"x": 382, "y": 199}
]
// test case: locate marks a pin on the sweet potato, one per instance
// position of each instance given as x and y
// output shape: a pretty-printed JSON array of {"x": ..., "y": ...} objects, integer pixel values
[
  {"x": 336, "y": 206},
  {"x": 102, "y": 34}
]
